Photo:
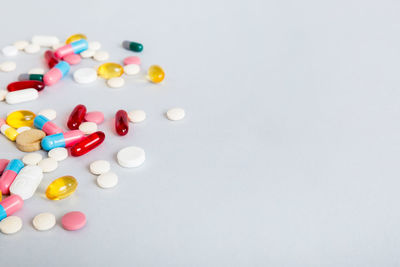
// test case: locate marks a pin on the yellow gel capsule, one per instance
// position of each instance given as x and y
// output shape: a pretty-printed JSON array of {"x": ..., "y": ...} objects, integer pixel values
[
  {"x": 20, "y": 118},
  {"x": 61, "y": 188},
  {"x": 155, "y": 74},
  {"x": 110, "y": 70},
  {"x": 75, "y": 37},
  {"x": 9, "y": 132}
]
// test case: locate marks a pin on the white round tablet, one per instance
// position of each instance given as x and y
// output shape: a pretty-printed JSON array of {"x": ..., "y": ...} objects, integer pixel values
[
  {"x": 94, "y": 45},
  {"x": 10, "y": 225},
  {"x": 8, "y": 66},
  {"x": 32, "y": 158},
  {"x": 48, "y": 164},
  {"x": 44, "y": 221},
  {"x": 131, "y": 156},
  {"x": 36, "y": 71},
  {"x": 88, "y": 127},
  {"x": 136, "y": 116},
  {"x": 9, "y": 51},
  {"x": 51, "y": 114},
  {"x": 32, "y": 48},
  {"x": 101, "y": 55},
  {"x": 3, "y": 94},
  {"x": 116, "y": 82},
  {"x": 23, "y": 129},
  {"x": 58, "y": 153},
  {"x": 175, "y": 114},
  {"x": 85, "y": 75},
  {"x": 131, "y": 69},
  {"x": 88, "y": 53},
  {"x": 107, "y": 180},
  {"x": 20, "y": 45},
  {"x": 99, "y": 167}
]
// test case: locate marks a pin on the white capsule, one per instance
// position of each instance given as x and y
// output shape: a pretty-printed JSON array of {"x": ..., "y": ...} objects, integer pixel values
[
  {"x": 10, "y": 51},
  {"x": 8, "y": 66},
  {"x": 21, "y": 96},
  {"x": 45, "y": 41},
  {"x": 27, "y": 181}
]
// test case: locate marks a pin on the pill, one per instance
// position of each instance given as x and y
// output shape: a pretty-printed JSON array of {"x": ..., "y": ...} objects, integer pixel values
[
  {"x": 29, "y": 141},
  {"x": 10, "y": 205},
  {"x": 56, "y": 73},
  {"x": 88, "y": 127},
  {"x": 107, "y": 180},
  {"x": 87, "y": 144},
  {"x": 9, "y": 132},
  {"x": 132, "y": 60},
  {"x": 51, "y": 114},
  {"x": 132, "y": 69},
  {"x": 58, "y": 153},
  {"x": 44, "y": 221},
  {"x": 3, "y": 165},
  {"x": 131, "y": 156},
  {"x": 3, "y": 94},
  {"x": 48, "y": 164},
  {"x": 73, "y": 59},
  {"x": 43, "y": 123},
  {"x": 175, "y": 114},
  {"x": 94, "y": 45},
  {"x": 99, "y": 167},
  {"x": 20, "y": 118},
  {"x": 72, "y": 48},
  {"x": 61, "y": 188},
  {"x": 88, "y": 53},
  {"x": 9, "y": 51},
  {"x": 8, "y": 66},
  {"x": 76, "y": 117},
  {"x": 121, "y": 122},
  {"x": 85, "y": 75},
  {"x": 110, "y": 70},
  {"x": 21, "y": 96},
  {"x": 45, "y": 41},
  {"x": 32, "y": 158},
  {"x": 133, "y": 46},
  {"x": 75, "y": 37},
  {"x": 66, "y": 139},
  {"x": 136, "y": 116},
  {"x": 101, "y": 55},
  {"x": 20, "y": 45},
  {"x": 73, "y": 221},
  {"x": 94, "y": 116},
  {"x": 8, "y": 176},
  {"x": 116, "y": 82},
  {"x": 11, "y": 225},
  {"x": 22, "y": 85},
  {"x": 36, "y": 71},
  {"x": 32, "y": 48},
  {"x": 27, "y": 181},
  {"x": 23, "y": 129},
  {"x": 31, "y": 77},
  {"x": 155, "y": 74},
  {"x": 50, "y": 58}
]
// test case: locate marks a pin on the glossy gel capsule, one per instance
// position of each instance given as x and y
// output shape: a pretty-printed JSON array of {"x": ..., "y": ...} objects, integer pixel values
[
  {"x": 10, "y": 205},
  {"x": 121, "y": 122},
  {"x": 72, "y": 48},
  {"x": 56, "y": 73},
  {"x": 20, "y": 118},
  {"x": 76, "y": 117},
  {"x": 87, "y": 144},
  {"x": 61, "y": 188},
  {"x": 21, "y": 85},
  {"x": 9, "y": 174},
  {"x": 47, "y": 126},
  {"x": 66, "y": 139},
  {"x": 51, "y": 59}
]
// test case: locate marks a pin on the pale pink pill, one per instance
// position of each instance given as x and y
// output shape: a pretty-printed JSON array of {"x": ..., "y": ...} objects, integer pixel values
[
  {"x": 132, "y": 60},
  {"x": 2, "y": 121},
  {"x": 94, "y": 116},
  {"x": 72, "y": 59},
  {"x": 73, "y": 220},
  {"x": 3, "y": 164}
]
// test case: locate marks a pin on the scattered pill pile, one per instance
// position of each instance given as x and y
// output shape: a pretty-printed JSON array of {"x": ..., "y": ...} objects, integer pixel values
[{"x": 32, "y": 131}]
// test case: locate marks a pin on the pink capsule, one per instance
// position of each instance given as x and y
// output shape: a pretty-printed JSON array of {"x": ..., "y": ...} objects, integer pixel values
[
  {"x": 72, "y": 59},
  {"x": 66, "y": 139},
  {"x": 94, "y": 116},
  {"x": 3, "y": 165},
  {"x": 132, "y": 60},
  {"x": 72, "y": 48},
  {"x": 10, "y": 205},
  {"x": 56, "y": 73}
]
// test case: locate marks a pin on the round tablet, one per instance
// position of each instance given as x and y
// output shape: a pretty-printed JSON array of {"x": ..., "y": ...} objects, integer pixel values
[
  {"x": 137, "y": 116},
  {"x": 99, "y": 167},
  {"x": 10, "y": 51},
  {"x": 116, "y": 82},
  {"x": 132, "y": 60},
  {"x": 3, "y": 94},
  {"x": 88, "y": 53},
  {"x": 101, "y": 55},
  {"x": 85, "y": 75},
  {"x": 20, "y": 45},
  {"x": 132, "y": 69},
  {"x": 51, "y": 114},
  {"x": 107, "y": 180},
  {"x": 73, "y": 220},
  {"x": 48, "y": 164},
  {"x": 131, "y": 156},
  {"x": 72, "y": 59},
  {"x": 32, "y": 48},
  {"x": 10, "y": 225},
  {"x": 32, "y": 158},
  {"x": 44, "y": 221},
  {"x": 36, "y": 71},
  {"x": 94, "y": 45},
  {"x": 94, "y": 116},
  {"x": 29, "y": 141},
  {"x": 8, "y": 66},
  {"x": 88, "y": 127},
  {"x": 23, "y": 129},
  {"x": 175, "y": 114},
  {"x": 58, "y": 153}
]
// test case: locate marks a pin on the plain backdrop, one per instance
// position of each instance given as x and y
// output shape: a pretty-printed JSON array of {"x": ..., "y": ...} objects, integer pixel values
[{"x": 288, "y": 155}]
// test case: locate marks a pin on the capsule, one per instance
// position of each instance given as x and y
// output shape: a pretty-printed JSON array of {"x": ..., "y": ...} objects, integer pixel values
[
  {"x": 133, "y": 46},
  {"x": 61, "y": 188},
  {"x": 30, "y": 77},
  {"x": 51, "y": 59},
  {"x": 110, "y": 70},
  {"x": 3, "y": 165},
  {"x": 72, "y": 48},
  {"x": 27, "y": 181},
  {"x": 47, "y": 126},
  {"x": 76, "y": 117},
  {"x": 9, "y": 174},
  {"x": 75, "y": 37},
  {"x": 56, "y": 73},
  {"x": 21, "y": 85},
  {"x": 155, "y": 74},
  {"x": 87, "y": 144},
  {"x": 9, "y": 132},
  {"x": 10, "y": 205},
  {"x": 20, "y": 118},
  {"x": 121, "y": 122},
  {"x": 66, "y": 139}
]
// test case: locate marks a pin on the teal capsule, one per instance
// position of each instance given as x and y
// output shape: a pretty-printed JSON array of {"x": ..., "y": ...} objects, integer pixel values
[
  {"x": 135, "y": 47},
  {"x": 30, "y": 77}
]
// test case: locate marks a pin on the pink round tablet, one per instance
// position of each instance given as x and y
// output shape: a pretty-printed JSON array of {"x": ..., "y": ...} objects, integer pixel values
[
  {"x": 94, "y": 116},
  {"x": 3, "y": 164},
  {"x": 2, "y": 121},
  {"x": 132, "y": 60},
  {"x": 73, "y": 220},
  {"x": 72, "y": 59}
]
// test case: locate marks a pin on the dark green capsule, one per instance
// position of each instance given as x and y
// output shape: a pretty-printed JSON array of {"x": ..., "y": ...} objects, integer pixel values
[
  {"x": 31, "y": 77},
  {"x": 133, "y": 46}
]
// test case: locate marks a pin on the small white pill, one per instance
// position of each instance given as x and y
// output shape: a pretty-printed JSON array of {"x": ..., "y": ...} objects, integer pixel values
[
  {"x": 20, "y": 45},
  {"x": 136, "y": 116},
  {"x": 32, "y": 158},
  {"x": 88, "y": 127},
  {"x": 131, "y": 69},
  {"x": 94, "y": 45},
  {"x": 32, "y": 48},
  {"x": 131, "y": 156},
  {"x": 107, "y": 180},
  {"x": 88, "y": 53},
  {"x": 85, "y": 75},
  {"x": 99, "y": 167},
  {"x": 36, "y": 71},
  {"x": 21, "y": 96},
  {"x": 58, "y": 153},
  {"x": 48, "y": 164},
  {"x": 8, "y": 66},
  {"x": 3, "y": 94},
  {"x": 45, "y": 40},
  {"x": 175, "y": 114},
  {"x": 10, "y": 225},
  {"x": 116, "y": 82},
  {"x": 10, "y": 51},
  {"x": 27, "y": 181},
  {"x": 51, "y": 114},
  {"x": 44, "y": 221},
  {"x": 101, "y": 55},
  {"x": 56, "y": 46},
  {"x": 23, "y": 129}
]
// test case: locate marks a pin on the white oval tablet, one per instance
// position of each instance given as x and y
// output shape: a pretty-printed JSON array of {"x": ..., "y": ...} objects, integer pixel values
[
  {"x": 48, "y": 164},
  {"x": 23, "y": 129},
  {"x": 8, "y": 66},
  {"x": 88, "y": 53},
  {"x": 20, "y": 45},
  {"x": 58, "y": 153},
  {"x": 44, "y": 221},
  {"x": 99, "y": 167},
  {"x": 51, "y": 114},
  {"x": 45, "y": 40},
  {"x": 116, "y": 82},
  {"x": 85, "y": 75},
  {"x": 36, "y": 71},
  {"x": 32, "y": 48},
  {"x": 101, "y": 55},
  {"x": 9, "y": 51},
  {"x": 3, "y": 94},
  {"x": 136, "y": 116},
  {"x": 107, "y": 180},
  {"x": 131, "y": 156},
  {"x": 131, "y": 69},
  {"x": 21, "y": 96},
  {"x": 27, "y": 181},
  {"x": 88, "y": 127},
  {"x": 94, "y": 45},
  {"x": 10, "y": 225},
  {"x": 175, "y": 114},
  {"x": 32, "y": 158}
]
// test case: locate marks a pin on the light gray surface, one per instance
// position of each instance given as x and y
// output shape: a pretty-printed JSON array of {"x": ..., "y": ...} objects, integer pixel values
[{"x": 288, "y": 156}]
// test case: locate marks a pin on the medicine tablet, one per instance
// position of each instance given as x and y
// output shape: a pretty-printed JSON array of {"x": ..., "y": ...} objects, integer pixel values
[
  {"x": 99, "y": 167},
  {"x": 72, "y": 59},
  {"x": 85, "y": 75},
  {"x": 36, "y": 71},
  {"x": 175, "y": 114},
  {"x": 32, "y": 158},
  {"x": 132, "y": 60},
  {"x": 131, "y": 156},
  {"x": 94, "y": 116},
  {"x": 21, "y": 96},
  {"x": 116, "y": 82},
  {"x": 10, "y": 225},
  {"x": 44, "y": 221},
  {"x": 136, "y": 116},
  {"x": 132, "y": 69},
  {"x": 45, "y": 40},
  {"x": 3, "y": 94},
  {"x": 94, "y": 45},
  {"x": 73, "y": 220},
  {"x": 10, "y": 51},
  {"x": 51, "y": 114},
  {"x": 107, "y": 180},
  {"x": 32, "y": 48},
  {"x": 58, "y": 153},
  {"x": 29, "y": 141},
  {"x": 48, "y": 164},
  {"x": 88, "y": 127},
  {"x": 23, "y": 129},
  {"x": 101, "y": 55},
  {"x": 20, "y": 45},
  {"x": 88, "y": 53},
  {"x": 8, "y": 66}
]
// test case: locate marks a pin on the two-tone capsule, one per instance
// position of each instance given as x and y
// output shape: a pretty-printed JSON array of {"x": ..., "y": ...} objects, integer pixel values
[
  {"x": 76, "y": 117},
  {"x": 72, "y": 48},
  {"x": 9, "y": 132},
  {"x": 133, "y": 46},
  {"x": 30, "y": 77},
  {"x": 47, "y": 126},
  {"x": 22, "y": 85},
  {"x": 66, "y": 139},
  {"x": 10, "y": 205},
  {"x": 9, "y": 174},
  {"x": 121, "y": 122},
  {"x": 56, "y": 73},
  {"x": 87, "y": 144}
]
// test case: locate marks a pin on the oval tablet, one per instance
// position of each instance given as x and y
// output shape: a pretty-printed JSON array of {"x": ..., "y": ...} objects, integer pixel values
[
  {"x": 73, "y": 220},
  {"x": 99, "y": 167},
  {"x": 21, "y": 96},
  {"x": 8, "y": 66},
  {"x": 51, "y": 114},
  {"x": 48, "y": 164},
  {"x": 29, "y": 141},
  {"x": 27, "y": 181},
  {"x": 88, "y": 127},
  {"x": 116, "y": 82},
  {"x": 175, "y": 114},
  {"x": 32, "y": 158},
  {"x": 136, "y": 116},
  {"x": 10, "y": 225},
  {"x": 131, "y": 157},
  {"x": 32, "y": 48},
  {"x": 85, "y": 75},
  {"x": 44, "y": 221},
  {"x": 132, "y": 60},
  {"x": 101, "y": 55},
  {"x": 107, "y": 180},
  {"x": 132, "y": 69},
  {"x": 10, "y": 51}
]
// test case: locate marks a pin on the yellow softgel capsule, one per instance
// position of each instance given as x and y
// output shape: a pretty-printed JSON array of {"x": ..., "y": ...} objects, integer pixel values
[
  {"x": 155, "y": 74},
  {"x": 110, "y": 70},
  {"x": 61, "y": 188},
  {"x": 75, "y": 37},
  {"x": 20, "y": 118}
]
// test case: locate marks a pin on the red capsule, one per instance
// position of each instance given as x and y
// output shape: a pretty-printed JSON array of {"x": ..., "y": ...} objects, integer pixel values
[
  {"x": 21, "y": 85},
  {"x": 89, "y": 143},
  {"x": 77, "y": 116},
  {"x": 121, "y": 122},
  {"x": 50, "y": 59}
]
